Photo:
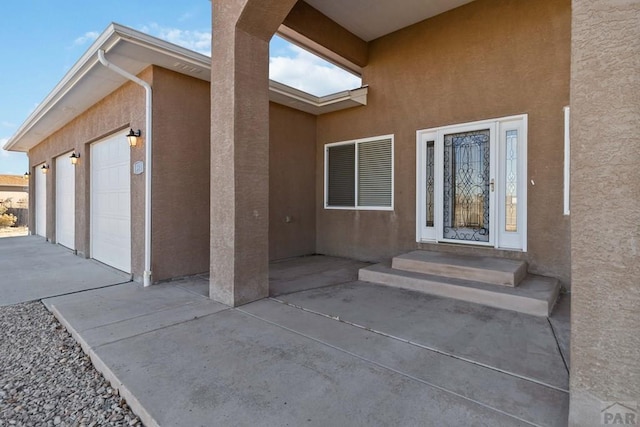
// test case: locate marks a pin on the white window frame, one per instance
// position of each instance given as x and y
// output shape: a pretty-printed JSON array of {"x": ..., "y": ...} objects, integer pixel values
[{"x": 357, "y": 143}]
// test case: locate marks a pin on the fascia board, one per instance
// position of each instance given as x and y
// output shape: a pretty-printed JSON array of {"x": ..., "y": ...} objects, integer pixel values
[
  {"x": 164, "y": 47},
  {"x": 318, "y": 105}
]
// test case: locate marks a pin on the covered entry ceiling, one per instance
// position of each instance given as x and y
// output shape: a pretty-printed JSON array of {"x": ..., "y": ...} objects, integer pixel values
[{"x": 370, "y": 19}]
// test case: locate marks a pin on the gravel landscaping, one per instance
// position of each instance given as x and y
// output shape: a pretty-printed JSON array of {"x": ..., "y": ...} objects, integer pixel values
[{"x": 46, "y": 379}]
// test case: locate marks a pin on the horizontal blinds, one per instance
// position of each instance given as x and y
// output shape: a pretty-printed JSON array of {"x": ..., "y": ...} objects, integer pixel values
[
  {"x": 341, "y": 180},
  {"x": 375, "y": 171}
]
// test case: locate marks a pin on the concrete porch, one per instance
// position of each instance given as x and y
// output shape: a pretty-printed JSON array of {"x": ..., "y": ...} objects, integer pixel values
[{"x": 324, "y": 349}]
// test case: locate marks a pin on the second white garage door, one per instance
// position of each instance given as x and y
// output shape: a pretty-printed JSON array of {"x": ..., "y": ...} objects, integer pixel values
[
  {"x": 65, "y": 202},
  {"x": 111, "y": 202}
]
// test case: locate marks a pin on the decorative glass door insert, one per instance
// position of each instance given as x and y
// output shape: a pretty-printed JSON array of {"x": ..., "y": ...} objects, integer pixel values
[{"x": 466, "y": 192}]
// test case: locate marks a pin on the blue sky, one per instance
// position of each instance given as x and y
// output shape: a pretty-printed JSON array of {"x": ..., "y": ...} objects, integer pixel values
[{"x": 40, "y": 40}]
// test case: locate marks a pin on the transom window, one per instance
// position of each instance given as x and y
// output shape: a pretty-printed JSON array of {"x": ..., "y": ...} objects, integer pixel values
[{"x": 359, "y": 174}]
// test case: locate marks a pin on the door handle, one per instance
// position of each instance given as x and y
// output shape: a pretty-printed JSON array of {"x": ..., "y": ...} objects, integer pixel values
[{"x": 492, "y": 184}]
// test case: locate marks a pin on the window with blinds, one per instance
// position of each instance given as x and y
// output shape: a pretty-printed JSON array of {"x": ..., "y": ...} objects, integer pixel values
[{"x": 359, "y": 174}]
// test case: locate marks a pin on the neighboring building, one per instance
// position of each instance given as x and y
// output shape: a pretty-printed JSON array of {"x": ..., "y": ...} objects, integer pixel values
[
  {"x": 14, "y": 195},
  {"x": 459, "y": 143},
  {"x": 14, "y": 191}
]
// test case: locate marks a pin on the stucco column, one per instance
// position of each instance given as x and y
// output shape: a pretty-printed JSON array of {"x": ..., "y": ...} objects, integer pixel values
[
  {"x": 605, "y": 210},
  {"x": 240, "y": 147}
]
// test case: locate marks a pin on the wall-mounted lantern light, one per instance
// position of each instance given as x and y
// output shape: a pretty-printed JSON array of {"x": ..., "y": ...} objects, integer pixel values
[
  {"x": 133, "y": 137},
  {"x": 45, "y": 168},
  {"x": 27, "y": 174},
  {"x": 74, "y": 158}
]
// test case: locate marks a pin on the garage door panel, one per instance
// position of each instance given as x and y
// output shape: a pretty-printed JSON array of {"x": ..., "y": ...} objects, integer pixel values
[
  {"x": 111, "y": 202},
  {"x": 65, "y": 201}
]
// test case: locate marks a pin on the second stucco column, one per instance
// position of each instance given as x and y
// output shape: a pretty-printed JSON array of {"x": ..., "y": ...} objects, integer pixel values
[
  {"x": 605, "y": 213},
  {"x": 242, "y": 29}
]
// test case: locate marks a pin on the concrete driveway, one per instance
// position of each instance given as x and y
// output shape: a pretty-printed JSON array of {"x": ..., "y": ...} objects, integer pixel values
[{"x": 32, "y": 269}]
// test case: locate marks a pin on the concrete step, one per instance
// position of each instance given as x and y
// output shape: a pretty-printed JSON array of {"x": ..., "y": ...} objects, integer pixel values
[
  {"x": 536, "y": 295},
  {"x": 497, "y": 271}
]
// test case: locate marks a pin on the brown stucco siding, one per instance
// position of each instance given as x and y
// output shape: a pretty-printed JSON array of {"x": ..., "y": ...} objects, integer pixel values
[
  {"x": 292, "y": 136},
  {"x": 484, "y": 60},
  {"x": 121, "y": 109},
  {"x": 181, "y": 158},
  {"x": 605, "y": 194}
]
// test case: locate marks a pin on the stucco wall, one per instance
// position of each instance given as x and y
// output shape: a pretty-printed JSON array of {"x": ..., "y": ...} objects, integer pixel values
[
  {"x": 181, "y": 158},
  {"x": 120, "y": 110},
  {"x": 605, "y": 194},
  {"x": 292, "y": 136},
  {"x": 484, "y": 60},
  {"x": 180, "y": 239}
]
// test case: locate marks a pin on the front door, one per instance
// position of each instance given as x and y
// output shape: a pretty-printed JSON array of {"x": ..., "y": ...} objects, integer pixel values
[
  {"x": 467, "y": 193},
  {"x": 472, "y": 184}
]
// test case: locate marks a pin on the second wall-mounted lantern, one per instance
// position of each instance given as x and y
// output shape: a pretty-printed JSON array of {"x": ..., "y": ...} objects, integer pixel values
[
  {"x": 44, "y": 168},
  {"x": 74, "y": 158},
  {"x": 27, "y": 174},
  {"x": 133, "y": 136}
]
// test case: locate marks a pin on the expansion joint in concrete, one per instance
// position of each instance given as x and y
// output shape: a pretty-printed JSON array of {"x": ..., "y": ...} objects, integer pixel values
[
  {"x": 425, "y": 347},
  {"x": 148, "y": 331},
  {"x": 78, "y": 292},
  {"x": 378, "y": 364}
]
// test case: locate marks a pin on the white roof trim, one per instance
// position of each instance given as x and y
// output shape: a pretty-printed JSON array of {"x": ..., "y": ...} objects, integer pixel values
[
  {"x": 316, "y": 105},
  {"x": 87, "y": 82}
]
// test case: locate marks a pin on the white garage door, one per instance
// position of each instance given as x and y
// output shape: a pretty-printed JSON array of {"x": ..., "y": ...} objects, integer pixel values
[
  {"x": 65, "y": 202},
  {"x": 41, "y": 201},
  {"x": 111, "y": 202}
]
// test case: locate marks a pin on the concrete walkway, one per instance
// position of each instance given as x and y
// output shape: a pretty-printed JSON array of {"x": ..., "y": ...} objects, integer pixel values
[
  {"x": 345, "y": 353},
  {"x": 32, "y": 269}
]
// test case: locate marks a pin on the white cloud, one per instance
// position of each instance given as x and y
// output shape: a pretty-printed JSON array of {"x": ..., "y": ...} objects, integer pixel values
[
  {"x": 185, "y": 17},
  {"x": 89, "y": 36},
  {"x": 199, "y": 41},
  {"x": 306, "y": 72}
]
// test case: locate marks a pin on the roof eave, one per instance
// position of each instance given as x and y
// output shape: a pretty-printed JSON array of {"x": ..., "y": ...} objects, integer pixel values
[
  {"x": 279, "y": 93},
  {"x": 113, "y": 34},
  {"x": 303, "y": 101}
]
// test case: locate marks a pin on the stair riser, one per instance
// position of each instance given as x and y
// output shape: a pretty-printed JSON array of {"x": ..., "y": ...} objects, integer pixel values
[
  {"x": 460, "y": 272},
  {"x": 507, "y": 302}
]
